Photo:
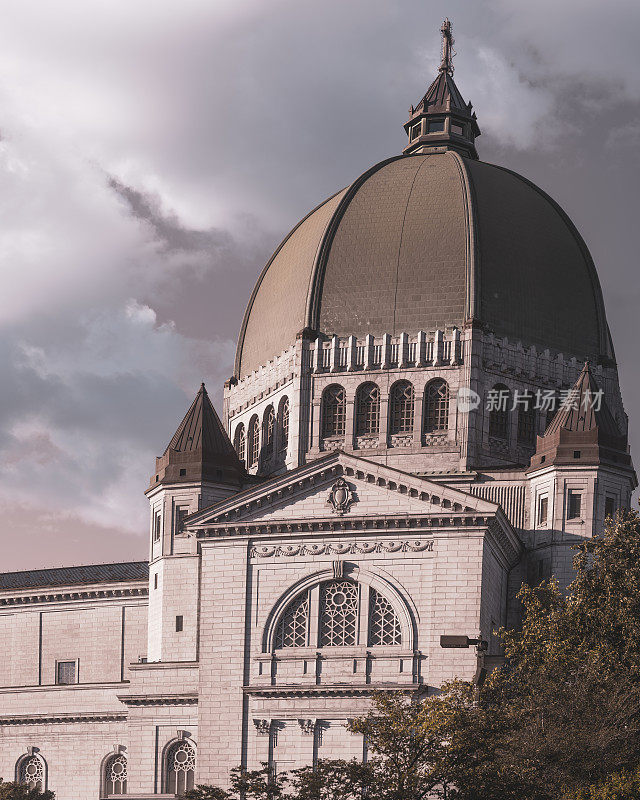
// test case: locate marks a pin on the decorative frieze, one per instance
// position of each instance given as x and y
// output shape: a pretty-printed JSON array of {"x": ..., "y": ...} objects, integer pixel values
[
  {"x": 317, "y": 549},
  {"x": 62, "y": 597}
]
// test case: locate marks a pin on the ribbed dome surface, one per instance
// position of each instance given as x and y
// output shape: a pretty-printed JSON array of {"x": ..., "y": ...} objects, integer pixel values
[{"x": 427, "y": 241}]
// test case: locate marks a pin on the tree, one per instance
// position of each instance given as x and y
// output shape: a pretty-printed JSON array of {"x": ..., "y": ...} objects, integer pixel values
[{"x": 18, "y": 791}]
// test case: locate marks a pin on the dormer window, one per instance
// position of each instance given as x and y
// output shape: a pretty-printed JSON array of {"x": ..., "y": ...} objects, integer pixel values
[
  {"x": 416, "y": 131},
  {"x": 436, "y": 126}
]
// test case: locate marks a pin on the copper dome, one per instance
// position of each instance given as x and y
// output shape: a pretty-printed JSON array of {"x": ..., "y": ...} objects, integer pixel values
[{"x": 428, "y": 241}]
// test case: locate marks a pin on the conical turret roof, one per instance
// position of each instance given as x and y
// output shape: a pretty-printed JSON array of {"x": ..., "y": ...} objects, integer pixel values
[
  {"x": 200, "y": 448},
  {"x": 583, "y": 431}
]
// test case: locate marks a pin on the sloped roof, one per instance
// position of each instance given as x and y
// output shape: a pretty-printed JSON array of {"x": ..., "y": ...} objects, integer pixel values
[
  {"x": 200, "y": 448},
  {"x": 442, "y": 95},
  {"x": 74, "y": 576},
  {"x": 584, "y": 412}
]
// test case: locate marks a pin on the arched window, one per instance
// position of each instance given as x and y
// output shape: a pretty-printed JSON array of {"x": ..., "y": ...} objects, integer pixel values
[
  {"x": 268, "y": 432},
  {"x": 253, "y": 442},
  {"x": 526, "y": 421},
  {"x": 31, "y": 772},
  {"x": 384, "y": 625},
  {"x": 436, "y": 406},
  {"x": 115, "y": 775},
  {"x": 341, "y": 618},
  {"x": 333, "y": 411},
  {"x": 499, "y": 403},
  {"x": 367, "y": 410},
  {"x": 401, "y": 407},
  {"x": 240, "y": 442},
  {"x": 283, "y": 425},
  {"x": 180, "y": 767}
]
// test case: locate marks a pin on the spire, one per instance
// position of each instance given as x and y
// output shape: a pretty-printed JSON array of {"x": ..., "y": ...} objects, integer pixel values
[
  {"x": 200, "y": 449},
  {"x": 583, "y": 431},
  {"x": 442, "y": 120},
  {"x": 446, "y": 65}
]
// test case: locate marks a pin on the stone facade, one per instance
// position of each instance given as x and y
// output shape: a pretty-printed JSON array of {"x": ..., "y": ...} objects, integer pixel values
[{"x": 375, "y": 500}]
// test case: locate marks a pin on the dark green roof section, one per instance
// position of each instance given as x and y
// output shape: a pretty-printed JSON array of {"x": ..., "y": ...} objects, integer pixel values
[{"x": 122, "y": 572}]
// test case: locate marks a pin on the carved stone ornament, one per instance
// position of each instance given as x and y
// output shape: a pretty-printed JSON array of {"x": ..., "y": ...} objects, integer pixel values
[
  {"x": 307, "y": 726},
  {"x": 340, "y": 496},
  {"x": 263, "y": 726}
]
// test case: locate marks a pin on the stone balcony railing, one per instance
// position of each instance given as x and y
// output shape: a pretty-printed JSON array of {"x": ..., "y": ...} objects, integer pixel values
[{"x": 384, "y": 352}]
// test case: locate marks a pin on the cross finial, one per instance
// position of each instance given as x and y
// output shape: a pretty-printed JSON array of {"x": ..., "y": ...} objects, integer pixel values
[{"x": 447, "y": 48}]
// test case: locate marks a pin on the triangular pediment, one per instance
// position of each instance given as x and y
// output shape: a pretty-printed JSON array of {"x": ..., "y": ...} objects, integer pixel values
[{"x": 369, "y": 490}]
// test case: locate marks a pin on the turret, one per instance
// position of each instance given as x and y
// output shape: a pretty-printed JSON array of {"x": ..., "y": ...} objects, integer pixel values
[{"x": 198, "y": 468}]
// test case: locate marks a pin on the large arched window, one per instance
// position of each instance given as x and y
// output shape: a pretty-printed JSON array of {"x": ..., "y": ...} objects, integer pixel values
[
  {"x": 436, "y": 406},
  {"x": 180, "y": 767},
  {"x": 268, "y": 432},
  {"x": 346, "y": 614},
  {"x": 240, "y": 442},
  {"x": 115, "y": 775},
  {"x": 333, "y": 411},
  {"x": 31, "y": 772},
  {"x": 253, "y": 442},
  {"x": 283, "y": 425},
  {"x": 499, "y": 402},
  {"x": 367, "y": 410},
  {"x": 401, "y": 408}
]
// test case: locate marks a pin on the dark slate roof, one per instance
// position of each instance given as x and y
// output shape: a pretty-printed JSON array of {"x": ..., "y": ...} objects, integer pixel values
[
  {"x": 200, "y": 449},
  {"x": 442, "y": 95},
  {"x": 201, "y": 429},
  {"x": 584, "y": 413},
  {"x": 74, "y": 576}
]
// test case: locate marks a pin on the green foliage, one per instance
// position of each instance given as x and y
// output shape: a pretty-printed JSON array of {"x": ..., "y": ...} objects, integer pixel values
[
  {"x": 621, "y": 786},
  {"x": 17, "y": 791}
]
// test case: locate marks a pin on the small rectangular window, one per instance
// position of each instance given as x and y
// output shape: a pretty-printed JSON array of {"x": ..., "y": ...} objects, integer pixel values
[
  {"x": 66, "y": 672},
  {"x": 183, "y": 472},
  {"x": 436, "y": 126},
  {"x": 181, "y": 513},
  {"x": 416, "y": 131},
  {"x": 577, "y": 453},
  {"x": 575, "y": 504},
  {"x": 457, "y": 129},
  {"x": 157, "y": 524},
  {"x": 543, "y": 509},
  {"x": 179, "y": 624},
  {"x": 155, "y": 581},
  {"x": 609, "y": 506}
]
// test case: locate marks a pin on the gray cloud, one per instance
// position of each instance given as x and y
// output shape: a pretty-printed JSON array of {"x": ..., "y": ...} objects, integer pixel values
[{"x": 152, "y": 156}]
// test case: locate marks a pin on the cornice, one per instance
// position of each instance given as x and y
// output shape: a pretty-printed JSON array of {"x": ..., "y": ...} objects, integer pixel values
[
  {"x": 49, "y": 719},
  {"x": 347, "y": 524},
  {"x": 181, "y": 699},
  {"x": 61, "y": 596},
  {"x": 332, "y": 691}
]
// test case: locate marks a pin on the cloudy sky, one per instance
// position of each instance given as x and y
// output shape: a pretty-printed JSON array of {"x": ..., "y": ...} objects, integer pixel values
[{"x": 152, "y": 154}]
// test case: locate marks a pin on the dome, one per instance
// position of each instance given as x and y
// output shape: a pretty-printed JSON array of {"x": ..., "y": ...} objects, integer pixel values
[{"x": 425, "y": 242}]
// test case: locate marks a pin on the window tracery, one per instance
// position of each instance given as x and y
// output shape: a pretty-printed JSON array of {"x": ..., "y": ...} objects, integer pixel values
[
  {"x": 283, "y": 425},
  {"x": 31, "y": 773},
  {"x": 253, "y": 443},
  {"x": 293, "y": 625},
  {"x": 401, "y": 408},
  {"x": 436, "y": 413},
  {"x": 368, "y": 410},
  {"x": 240, "y": 442},
  {"x": 268, "y": 431},
  {"x": 115, "y": 775},
  {"x": 384, "y": 625},
  {"x": 338, "y": 613},
  {"x": 181, "y": 767},
  {"x": 333, "y": 411}
]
